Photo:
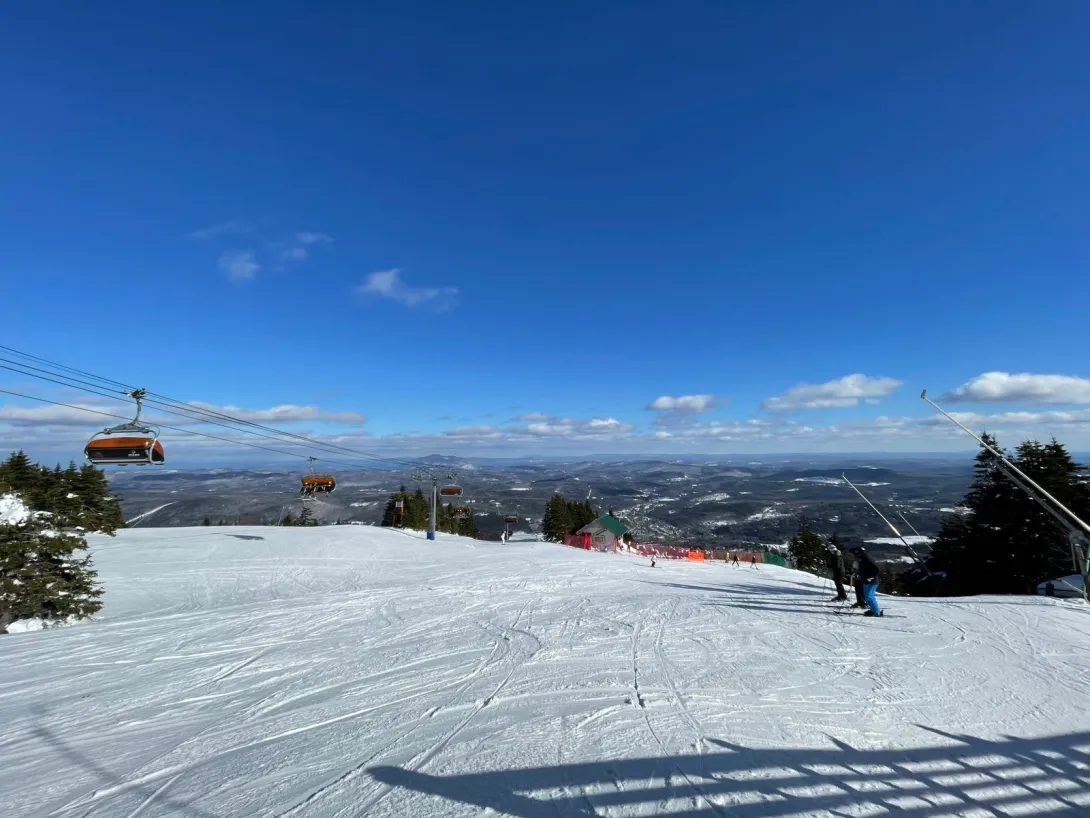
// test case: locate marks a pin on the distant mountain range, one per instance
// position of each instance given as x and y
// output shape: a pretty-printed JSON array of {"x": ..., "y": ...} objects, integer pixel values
[{"x": 706, "y": 501}]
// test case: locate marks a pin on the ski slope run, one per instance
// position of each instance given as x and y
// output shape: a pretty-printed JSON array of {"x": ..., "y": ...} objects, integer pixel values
[{"x": 351, "y": 671}]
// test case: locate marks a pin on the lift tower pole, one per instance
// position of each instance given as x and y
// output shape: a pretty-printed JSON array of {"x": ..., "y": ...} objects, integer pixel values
[
  {"x": 424, "y": 474},
  {"x": 1078, "y": 532}
]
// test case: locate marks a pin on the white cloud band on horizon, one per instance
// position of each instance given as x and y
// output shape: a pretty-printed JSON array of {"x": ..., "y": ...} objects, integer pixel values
[
  {"x": 1003, "y": 387},
  {"x": 66, "y": 430},
  {"x": 842, "y": 392}
]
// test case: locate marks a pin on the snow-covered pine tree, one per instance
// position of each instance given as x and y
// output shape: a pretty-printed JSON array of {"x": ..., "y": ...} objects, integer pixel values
[{"x": 42, "y": 575}]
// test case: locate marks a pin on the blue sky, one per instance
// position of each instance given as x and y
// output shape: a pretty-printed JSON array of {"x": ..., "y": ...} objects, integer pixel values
[{"x": 445, "y": 216}]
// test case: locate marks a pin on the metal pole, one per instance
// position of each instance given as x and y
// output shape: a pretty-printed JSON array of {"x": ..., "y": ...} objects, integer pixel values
[
  {"x": 892, "y": 527},
  {"x": 434, "y": 496},
  {"x": 903, "y": 517}
]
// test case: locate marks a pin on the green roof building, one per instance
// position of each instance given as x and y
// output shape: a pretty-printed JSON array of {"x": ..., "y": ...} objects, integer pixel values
[{"x": 605, "y": 532}]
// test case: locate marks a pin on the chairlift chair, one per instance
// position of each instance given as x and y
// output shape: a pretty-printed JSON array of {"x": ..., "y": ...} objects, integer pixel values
[
  {"x": 127, "y": 444},
  {"x": 510, "y": 520},
  {"x": 316, "y": 483},
  {"x": 461, "y": 512},
  {"x": 450, "y": 491}
]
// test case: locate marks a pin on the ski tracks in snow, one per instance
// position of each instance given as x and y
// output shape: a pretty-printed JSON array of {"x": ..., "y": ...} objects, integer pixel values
[{"x": 268, "y": 677}]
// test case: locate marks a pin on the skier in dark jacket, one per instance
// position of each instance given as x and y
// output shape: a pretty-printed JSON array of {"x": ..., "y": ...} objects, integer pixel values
[
  {"x": 869, "y": 572},
  {"x": 835, "y": 563}
]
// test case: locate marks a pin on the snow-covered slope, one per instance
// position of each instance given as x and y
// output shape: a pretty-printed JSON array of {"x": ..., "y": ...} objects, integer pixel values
[{"x": 348, "y": 671}]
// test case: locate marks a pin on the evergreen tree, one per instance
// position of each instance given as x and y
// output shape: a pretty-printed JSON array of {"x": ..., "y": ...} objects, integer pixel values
[
  {"x": 468, "y": 527},
  {"x": 287, "y": 519},
  {"x": 580, "y": 513},
  {"x": 306, "y": 517},
  {"x": 207, "y": 521},
  {"x": 806, "y": 549},
  {"x": 557, "y": 520},
  {"x": 391, "y": 515},
  {"x": 17, "y": 473},
  {"x": 1008, "y": 543},
  {"x": 41, "y": 575}
]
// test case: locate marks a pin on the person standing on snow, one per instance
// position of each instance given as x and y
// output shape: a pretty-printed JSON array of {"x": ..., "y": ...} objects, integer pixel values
[
  {"x": 734, "y": 561},
  {"x": 835, "y": 563},
  {"x": 869, "y": 572}
]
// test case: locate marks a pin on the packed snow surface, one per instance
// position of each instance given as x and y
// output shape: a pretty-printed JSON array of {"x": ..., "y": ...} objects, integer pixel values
[{"x": 349, "y": 671}]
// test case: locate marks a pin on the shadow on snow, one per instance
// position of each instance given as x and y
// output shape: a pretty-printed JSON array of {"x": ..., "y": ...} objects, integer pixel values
[{"x": 973, "y": 777}]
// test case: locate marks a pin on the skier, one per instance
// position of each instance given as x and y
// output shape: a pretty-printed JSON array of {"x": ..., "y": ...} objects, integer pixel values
[
  {"x": 753, "y": 559},
  {"x": 652, "y": 562},
  {"x": 835, "y": 563},
  {"x": 734, "y": 561},
  {"x": 868, "y": 572}
]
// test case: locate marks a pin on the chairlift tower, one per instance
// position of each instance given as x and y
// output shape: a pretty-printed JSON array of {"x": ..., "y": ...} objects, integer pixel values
[
  {"x": 423, "y": 474},
  {"x": 1078, "y": 532}
]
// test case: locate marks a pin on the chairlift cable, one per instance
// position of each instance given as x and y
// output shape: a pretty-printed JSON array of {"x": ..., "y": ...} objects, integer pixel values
[
  {"x": 165, "y": 426},
  {"x": 172, "y": 406},
  {"x": 160, "y": 399}
]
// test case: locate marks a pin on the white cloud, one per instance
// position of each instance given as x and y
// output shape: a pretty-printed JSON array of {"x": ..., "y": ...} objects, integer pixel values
[
  {"x": 685, "y": 404},
  {"x": 1003, "y": 387},
  {"x": 532, "y": 417},
  {"x": 975, "y": 420},
  {"x": 602, "y": 426},
  {"x": 550, "y": 428},
  {"x": 224, "y": 229},
  {"x": 314, "y": 238},
  {"x": 388, "y": 284},
  {"x": 31, "y": 416},
  {"x": 239, "y": 265},
  {"x": 285, "y": 413},
  {"x": 478, "y": 432},
  {"x": 295, "y": 254},
  {"x": 846, "y": 391},
  {"x": 545, "y": 426}
]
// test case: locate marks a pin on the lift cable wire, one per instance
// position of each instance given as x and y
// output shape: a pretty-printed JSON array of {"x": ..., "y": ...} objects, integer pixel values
[
  {"x": 164, "y": 401},
  {"x": 173, "y": 428},
  {"x": 160, "y": 400},
  {"x": 183, "y": 409}
]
